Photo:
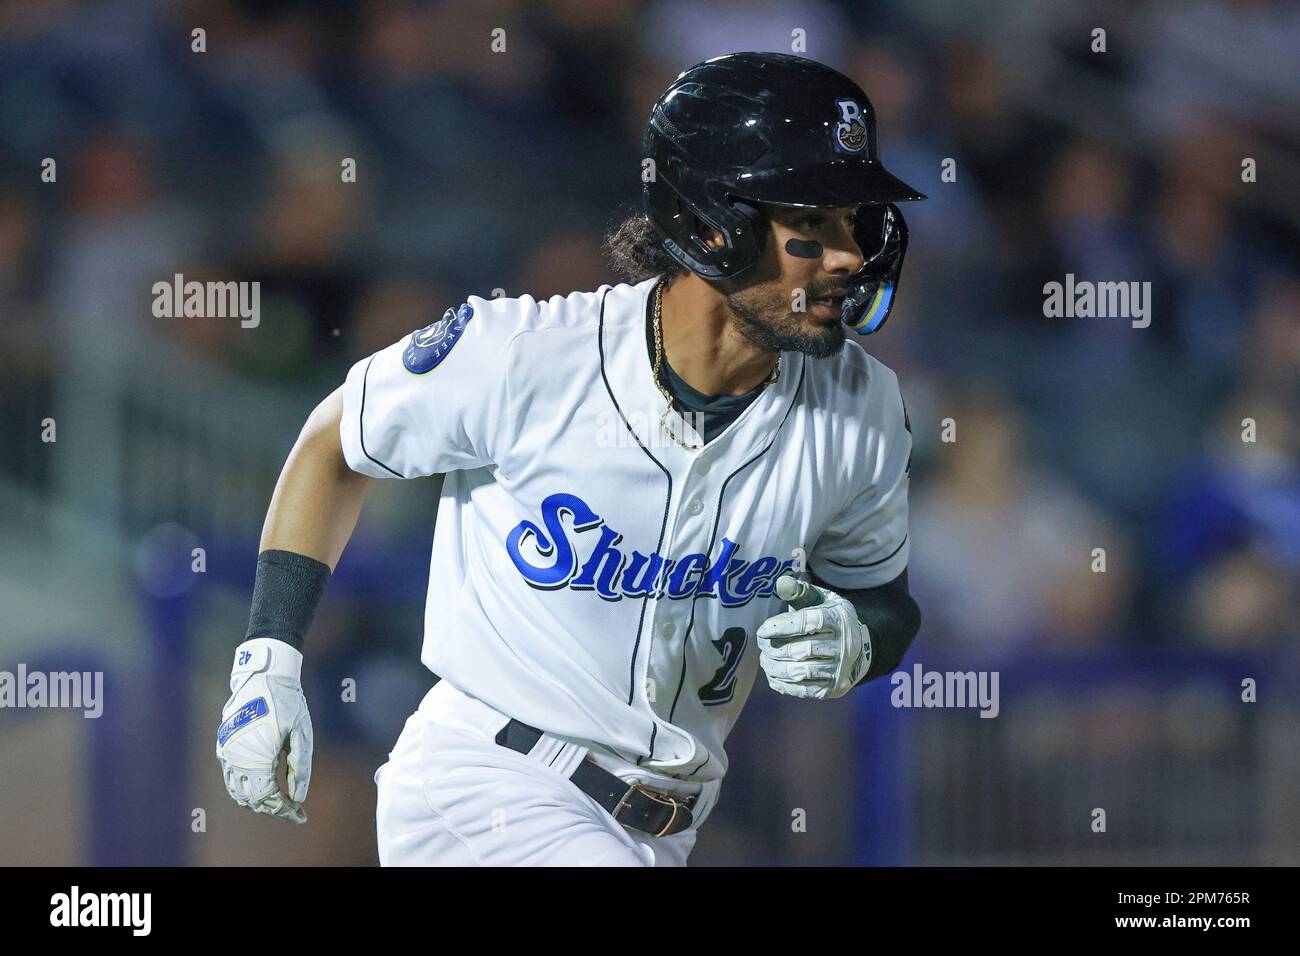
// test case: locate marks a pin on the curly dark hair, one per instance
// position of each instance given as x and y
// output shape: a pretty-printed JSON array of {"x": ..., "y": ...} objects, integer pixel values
[{"x": 634, "y": 250}]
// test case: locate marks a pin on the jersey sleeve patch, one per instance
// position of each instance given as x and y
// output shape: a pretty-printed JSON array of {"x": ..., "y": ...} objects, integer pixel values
[{"x": 433, "y": 343}]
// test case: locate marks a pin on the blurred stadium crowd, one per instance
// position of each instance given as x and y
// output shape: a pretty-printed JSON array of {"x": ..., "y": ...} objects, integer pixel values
[{"x": 481, "y": 170}]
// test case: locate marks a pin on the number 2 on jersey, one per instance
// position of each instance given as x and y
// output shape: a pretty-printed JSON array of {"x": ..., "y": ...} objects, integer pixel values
[{"x": 722, "y": 687}]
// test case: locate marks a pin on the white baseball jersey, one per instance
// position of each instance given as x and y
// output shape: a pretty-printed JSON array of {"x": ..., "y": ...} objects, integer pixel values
[{"x": 590, "y": 576}]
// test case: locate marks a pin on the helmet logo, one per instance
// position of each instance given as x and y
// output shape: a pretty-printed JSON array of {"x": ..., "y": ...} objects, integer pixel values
[{"x": 851, "y": 131}]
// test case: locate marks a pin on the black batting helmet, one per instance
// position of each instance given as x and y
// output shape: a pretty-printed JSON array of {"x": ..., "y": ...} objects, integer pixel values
[{"x": 779, "y": 129}]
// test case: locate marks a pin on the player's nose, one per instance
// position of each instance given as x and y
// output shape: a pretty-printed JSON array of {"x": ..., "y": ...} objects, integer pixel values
[{"x": 841, "y": 256}]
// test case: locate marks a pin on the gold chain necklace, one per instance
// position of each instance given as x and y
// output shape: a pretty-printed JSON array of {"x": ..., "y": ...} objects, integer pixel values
[{"x": 659, "y": 358}]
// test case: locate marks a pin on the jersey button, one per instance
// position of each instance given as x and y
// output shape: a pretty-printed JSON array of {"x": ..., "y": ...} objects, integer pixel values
[
  {"x": 668, "y": 629},
  {"x": 695, "y": 507},
  {"x": 702, "y": 466}
]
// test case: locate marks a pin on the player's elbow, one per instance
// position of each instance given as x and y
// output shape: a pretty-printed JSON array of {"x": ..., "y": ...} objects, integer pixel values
[{"x": 323, "y": 422}]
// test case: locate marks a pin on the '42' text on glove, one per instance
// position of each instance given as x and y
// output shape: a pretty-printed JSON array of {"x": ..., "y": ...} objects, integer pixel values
[{"x": 266, "y": 708}]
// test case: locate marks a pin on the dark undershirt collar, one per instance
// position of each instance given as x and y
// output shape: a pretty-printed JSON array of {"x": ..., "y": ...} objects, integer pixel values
[{"x": 719, "y": 411}]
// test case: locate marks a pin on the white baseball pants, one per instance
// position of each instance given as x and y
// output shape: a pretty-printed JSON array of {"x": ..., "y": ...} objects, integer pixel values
[{"x": 449, "y": 795}]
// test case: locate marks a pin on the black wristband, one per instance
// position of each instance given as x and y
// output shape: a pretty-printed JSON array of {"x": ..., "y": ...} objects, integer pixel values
[
  {"x": 286, "y": 591},
  {"x": 892, "y": 617}
]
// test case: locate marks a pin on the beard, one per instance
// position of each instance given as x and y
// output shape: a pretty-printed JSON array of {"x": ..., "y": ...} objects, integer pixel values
[{"x": 762, "y": 317}]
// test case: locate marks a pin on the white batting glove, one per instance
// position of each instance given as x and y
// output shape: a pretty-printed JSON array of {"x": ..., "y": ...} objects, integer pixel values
[
  {"x": 265, "y": 708},
  {"x": 818, "y": 649}
]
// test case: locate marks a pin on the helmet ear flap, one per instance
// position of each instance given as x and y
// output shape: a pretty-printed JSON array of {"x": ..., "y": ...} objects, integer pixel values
[
  {"x": 744, "y": 230},
  {"x": 755, "y": 217},
  {"x": 756, "y": 222},
  {"x": 684, "y": 223}
]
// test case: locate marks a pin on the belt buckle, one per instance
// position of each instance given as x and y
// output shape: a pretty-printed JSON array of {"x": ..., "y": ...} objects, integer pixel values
[{"x": 659, "y": 796}]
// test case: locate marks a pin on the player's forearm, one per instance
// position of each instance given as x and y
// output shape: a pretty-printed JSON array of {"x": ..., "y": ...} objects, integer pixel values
[{"x": 318, "y": 498}]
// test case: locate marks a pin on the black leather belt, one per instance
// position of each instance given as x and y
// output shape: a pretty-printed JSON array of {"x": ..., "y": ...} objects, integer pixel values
[{"x": 648, "y": 809}]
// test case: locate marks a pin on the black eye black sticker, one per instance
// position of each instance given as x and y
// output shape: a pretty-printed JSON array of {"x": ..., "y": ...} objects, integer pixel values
[{"x": 804, "y": 248}]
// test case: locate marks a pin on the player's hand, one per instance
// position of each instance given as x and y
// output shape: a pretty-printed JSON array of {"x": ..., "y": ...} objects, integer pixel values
[
  {"x": 266, "y": 708},
  {"x": 817, "y": 649}
]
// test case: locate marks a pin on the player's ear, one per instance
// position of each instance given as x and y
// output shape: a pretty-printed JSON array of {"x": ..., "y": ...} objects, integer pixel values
[{"x": 712, "y": 238}]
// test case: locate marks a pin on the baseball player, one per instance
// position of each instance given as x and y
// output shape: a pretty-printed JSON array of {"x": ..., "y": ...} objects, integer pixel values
[{"x": 653, "y": 491}]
